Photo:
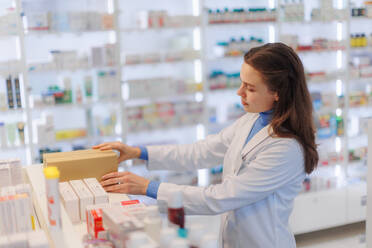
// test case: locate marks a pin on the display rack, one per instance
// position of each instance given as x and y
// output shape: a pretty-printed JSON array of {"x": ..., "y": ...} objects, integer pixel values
[{"x": 341, "y": 172}]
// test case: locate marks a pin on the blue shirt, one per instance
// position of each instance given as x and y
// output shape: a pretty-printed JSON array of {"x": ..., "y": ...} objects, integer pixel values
[{"x": 262, "y": 121}]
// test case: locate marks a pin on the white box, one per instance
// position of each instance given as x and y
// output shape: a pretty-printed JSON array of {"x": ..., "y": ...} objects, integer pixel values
[
  {"x": 85, "y": 196},
  {"x": 37, "y": 239},
  {"x": 23, "y": 189},
  {"x": 16, "y": 171},
  {"x": 23, "y": 210},
  {"x": 7, "y": 191},
  {"x": 18, "y": 240},
  {"x": 7, "y": 211},
  {"x": 5, "y": 176},
  {"x": 100, "y": 195},
  {"x": 70, "y": 201},
  {"x": 4, "y": 242}
]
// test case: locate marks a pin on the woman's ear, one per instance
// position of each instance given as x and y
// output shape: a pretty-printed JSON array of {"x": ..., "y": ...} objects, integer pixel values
[{"x": 276, "y": 97}]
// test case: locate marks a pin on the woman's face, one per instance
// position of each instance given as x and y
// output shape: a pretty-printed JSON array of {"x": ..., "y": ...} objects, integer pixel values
[{"x": 255, "y": 95}]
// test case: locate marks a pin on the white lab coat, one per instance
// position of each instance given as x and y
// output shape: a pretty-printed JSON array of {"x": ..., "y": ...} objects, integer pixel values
[{"x": 259, "y": 183}]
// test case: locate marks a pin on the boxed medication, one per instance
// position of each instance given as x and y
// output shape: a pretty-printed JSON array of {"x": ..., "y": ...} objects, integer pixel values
[
  {"x": 85, "y": 196},
  {"x": 82, "y": 164},
  {"x": 100, "y": 195},
  {"x": 70, "y": 201}
]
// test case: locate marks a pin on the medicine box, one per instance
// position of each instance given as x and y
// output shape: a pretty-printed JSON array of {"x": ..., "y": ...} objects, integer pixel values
[
  {"x": 100, "y": 195},
  {"x": 85, "y": 196},
  {"x": 70, "y": 201}
]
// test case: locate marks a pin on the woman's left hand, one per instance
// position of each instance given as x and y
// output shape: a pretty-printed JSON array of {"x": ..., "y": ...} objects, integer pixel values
[{"x": 125, "y": 182}]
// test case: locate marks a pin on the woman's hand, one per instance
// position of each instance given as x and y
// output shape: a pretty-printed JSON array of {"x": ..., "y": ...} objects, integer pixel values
[
  {"x": 126, "y": 152},
  {"x": 125, "y": 182}
]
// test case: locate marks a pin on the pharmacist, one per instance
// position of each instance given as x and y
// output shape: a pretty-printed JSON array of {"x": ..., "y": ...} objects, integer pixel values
[{"x": 265, "y": 155}]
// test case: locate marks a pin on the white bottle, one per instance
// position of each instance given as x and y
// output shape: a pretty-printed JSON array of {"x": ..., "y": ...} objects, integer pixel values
[
  {"x": 167, "y": 235},
  {"x": 209, "y": 241},
  {"x": 137, "y": 239},
  {"x": 195, "y": 235},
  {"x": 4, "y": 141},
  {"x": 179, "y": 243},
  {"x": 52, "y": 192},
  {"x": 153, "y": 223}
]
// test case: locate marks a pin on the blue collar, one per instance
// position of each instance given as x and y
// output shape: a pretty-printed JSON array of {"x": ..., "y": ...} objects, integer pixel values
[{"x": 265, "y": 117}]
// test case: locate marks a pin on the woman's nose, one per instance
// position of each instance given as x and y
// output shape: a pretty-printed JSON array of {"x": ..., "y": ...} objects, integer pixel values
[{"x": 240, "y": 91}]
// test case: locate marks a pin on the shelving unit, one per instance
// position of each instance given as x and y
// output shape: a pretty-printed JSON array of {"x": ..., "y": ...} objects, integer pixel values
[{"x": 131, "y": 39}]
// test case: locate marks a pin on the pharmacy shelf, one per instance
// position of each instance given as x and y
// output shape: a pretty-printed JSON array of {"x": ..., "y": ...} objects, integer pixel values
[
  {"x": 32, "y": 70},
  {"x": 12, "y": 148},
  {"x": 311, "y": 22},
  {"x": 264, "y": 23},
  {"x": 71, "y": 235},
  {"x": 66, "y": 106},
  {"x": 12, "y": 111},
  {"x": 361, "y": 49},
  {"x": 159, "y": 63},
  {"x": 60, "y": 33},
  {"x": 321, "y": 51},
  {"x": 160, "y": 29}
]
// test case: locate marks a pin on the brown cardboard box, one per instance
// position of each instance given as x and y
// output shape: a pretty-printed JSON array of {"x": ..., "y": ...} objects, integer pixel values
[{"x": 82, "y": 164}]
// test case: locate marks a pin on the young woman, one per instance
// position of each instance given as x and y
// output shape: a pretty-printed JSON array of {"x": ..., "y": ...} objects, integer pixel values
[{"x": 265, "y": 155}]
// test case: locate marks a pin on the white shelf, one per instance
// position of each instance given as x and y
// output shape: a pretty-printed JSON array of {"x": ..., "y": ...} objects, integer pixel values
[
  {"x": 71, "y": 234},
  {"x": 265, "y": 23},
  {"x": 60, "y": 33},
  {"x": 161, "y": 29}
]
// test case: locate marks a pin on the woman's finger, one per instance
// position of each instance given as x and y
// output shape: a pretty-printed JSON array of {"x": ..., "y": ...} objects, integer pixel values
[
  {"x": 113, "y": 188},
  {"x": 110, "y": 181},
  {"x": 99, "y": 145},
  {"x": 110, "y": 175}
]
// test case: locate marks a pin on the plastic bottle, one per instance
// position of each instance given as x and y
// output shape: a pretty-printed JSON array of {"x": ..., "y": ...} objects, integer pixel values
[
  {"x": 167, "y": 235},
  {"x": 209, "y": 241},
  {"x": 54, "y": 212},
  {"x": 363, "y": 40},
  {"x": 137, "y": 239},
  {"x": 195, "y": 235},
  {"x": 4, "y": 141},
  {"x": 179, "y": 243},
  {"x": 176, "y": 213},
  {"x": 153, "y": 223}
]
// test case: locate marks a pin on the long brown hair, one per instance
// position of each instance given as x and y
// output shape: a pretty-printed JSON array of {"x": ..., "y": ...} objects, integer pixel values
[{"x": 283, "y": 73}]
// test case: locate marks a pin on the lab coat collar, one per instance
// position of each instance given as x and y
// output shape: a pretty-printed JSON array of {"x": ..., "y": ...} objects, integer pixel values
[{"x": 262, "y": 135}]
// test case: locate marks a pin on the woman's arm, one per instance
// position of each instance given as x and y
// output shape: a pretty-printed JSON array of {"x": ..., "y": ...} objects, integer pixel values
[
  {"x": 206, "y": 153},
  {"x": 272, "y": 169}
]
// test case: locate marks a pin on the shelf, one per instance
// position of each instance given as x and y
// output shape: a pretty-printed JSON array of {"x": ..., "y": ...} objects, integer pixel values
[
  {"x": 321, "y": 50},
  {"x": 12, "y": 111},
  {"x": 58, "y": 33},
  {"x": 142, "y": 30},
  {"x": 362, "y": 79},
  {"x": 360, "y": 18},
  {"x": 313, "y": 22},
  {"x": 161, "y": 99},
  {"x": 12, "y": 148},
  {"x": 272, "y": 22},
  {"x": 162, "y": 62},
  {"x": 84, "y": 68},
  {"x": 361, "y": 49},
  {"x": 87, "y": 138},
  {"x": 72, "y": 234},
  {"x": 75, "y": 105}
]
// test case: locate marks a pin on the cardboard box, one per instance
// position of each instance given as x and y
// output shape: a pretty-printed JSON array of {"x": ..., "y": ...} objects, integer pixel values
[{"x": 82, "y": 164}]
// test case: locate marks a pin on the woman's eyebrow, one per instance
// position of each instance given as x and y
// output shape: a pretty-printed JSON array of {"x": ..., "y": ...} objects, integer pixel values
[{"x": 251, "y": 85}]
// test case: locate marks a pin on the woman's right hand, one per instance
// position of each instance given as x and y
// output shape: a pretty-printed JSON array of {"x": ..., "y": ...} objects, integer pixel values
[{"x": 126, "y": 152}]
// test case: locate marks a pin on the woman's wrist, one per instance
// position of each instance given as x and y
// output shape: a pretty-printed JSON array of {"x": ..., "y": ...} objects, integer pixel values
[{"x": 136, "y": 152}]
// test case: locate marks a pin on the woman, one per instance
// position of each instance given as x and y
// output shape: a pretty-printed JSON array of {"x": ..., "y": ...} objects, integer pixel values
[{"x": 265, "y": 154}]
